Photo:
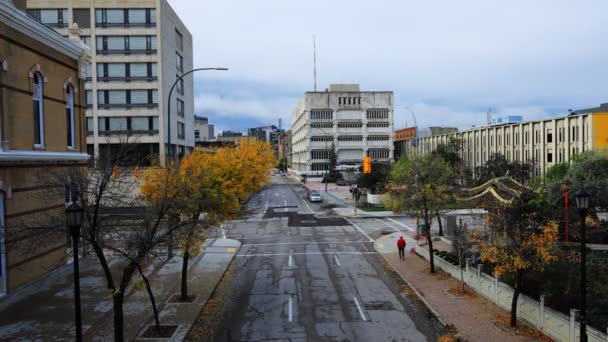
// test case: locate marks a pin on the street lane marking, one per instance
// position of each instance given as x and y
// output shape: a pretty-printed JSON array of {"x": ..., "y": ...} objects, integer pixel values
[
  {"x": 380, "y": 245},
  {"x": 231, "y": 250},
  {"x": 304, "y": 253},
  {"x": 290, "y": 309},
  {"x": 308, "y": 206},
  {"x": 359, "y": 307},
  {"x": 359, "y": 229},
  {"x": 403, "y": 225},
  {"x": 388, "y": 225},
  {"x": 266, "y": 207},
  {"x": 337, "y": 260},
  {"x": 304, "y": 243},
  {"x": 290, "y": 260}
]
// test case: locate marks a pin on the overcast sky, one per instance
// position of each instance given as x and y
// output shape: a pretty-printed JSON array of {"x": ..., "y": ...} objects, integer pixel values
[{"x": 449, "y": 61}]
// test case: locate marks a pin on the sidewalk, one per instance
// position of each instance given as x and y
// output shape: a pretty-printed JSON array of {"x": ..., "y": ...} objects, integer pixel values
[
  {"x": 44, "y": 309},
  {"x": 471, "y": 316}
]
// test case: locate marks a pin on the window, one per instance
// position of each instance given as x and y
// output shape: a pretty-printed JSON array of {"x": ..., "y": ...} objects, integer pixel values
[
  {"x": 179, "y": 40},
  {"x": 377, "y": 124},
  {"x": 381, "y": 153},
  {"x": 377, "y": 113},
  {"x": 349, "y": 101},
  {"x": 69, "y": 113},
  {"x": 350, "y": 124},
  {"x": 88, "y": 71},
  {"x": 56, "y": 17},
  {"x": 118, "y": 124},
  {"x": 179, "y": 62},
  {"x": 134, "y": 17},
  {"x": 82, "y": 17},
  {"x": 37, "y": 97},
  {"x": 139, "y": 70},
  {"x": 377, "y": 138},
  {"x": 126, "y": 44},
  {"x": 322, "y": 138},
  {"x": 197, "y": 134},
  {"x": 127, "y": 98},
  {"x": 321, "y": 125},
  {"x": 90, "y": 126},
  {"x": 549, "y": 136},
  {"x": 115, "y": 70},
  {"x": 86, "y": 40},
  {"x": 88, "y": 98},
  {"x": 320, "y": 154},
  {"x": 139, "y": 97},
  {"x": 139, "y": 123},
  {"x": 549, "y": 157},
  {"x": 72, "y": 192},
  {"x": 180, "y": 130},
  {"x": 350, "y": 138},
  {"x": 326, "y": 114},
  {"x": 180, "y": 85},
  {"x": 180, "y": 107}
]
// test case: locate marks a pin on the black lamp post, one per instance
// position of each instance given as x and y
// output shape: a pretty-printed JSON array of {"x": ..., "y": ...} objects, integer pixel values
[
  {"x": 73, "y": 215},
  {"x": 582, "y": 203}
]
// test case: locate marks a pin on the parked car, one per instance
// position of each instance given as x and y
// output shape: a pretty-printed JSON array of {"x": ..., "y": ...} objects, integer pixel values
[{"x": 314, "y": 196}]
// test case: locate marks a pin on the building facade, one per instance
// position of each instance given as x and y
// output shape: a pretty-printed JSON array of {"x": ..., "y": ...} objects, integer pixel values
[
  {"x": 203, "y": 131},
  {"x": 354, "y": 123},
  {"x": 42, "y": 120},
  {"x": 139, "y": 49},
  {"x": 401, "y": 138},
  {"x": 542, "y": 143}
]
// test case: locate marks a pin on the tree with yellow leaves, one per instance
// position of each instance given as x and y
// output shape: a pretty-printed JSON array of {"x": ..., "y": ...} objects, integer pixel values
[{"x": 522, "y": 240}]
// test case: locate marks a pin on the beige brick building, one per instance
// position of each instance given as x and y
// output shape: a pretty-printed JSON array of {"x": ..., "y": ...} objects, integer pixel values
[{"x": 41, "y": 130}]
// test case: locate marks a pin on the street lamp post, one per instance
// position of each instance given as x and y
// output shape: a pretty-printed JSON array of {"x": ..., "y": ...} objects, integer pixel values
[
  {"x": 565, "y": 188},
  {"x": 582, "y": 203},
  {"x": 73, "y": 215},
  {"x": 169, "y": 103}
]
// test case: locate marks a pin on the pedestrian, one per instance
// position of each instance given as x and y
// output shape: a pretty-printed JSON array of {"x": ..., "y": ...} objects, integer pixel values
[{"x": 401, "y": 246}]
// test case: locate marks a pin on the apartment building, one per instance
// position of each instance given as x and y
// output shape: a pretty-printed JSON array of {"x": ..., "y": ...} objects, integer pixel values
[
  {"x": 42, "y": 118},
  {"x": 139, "y": 49},
  {"x": 355, "y": 123},
  {"x": 542, "y": 143}
]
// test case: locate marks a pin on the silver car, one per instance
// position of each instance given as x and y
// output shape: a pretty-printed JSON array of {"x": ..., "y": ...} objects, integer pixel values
[{"x": 314, "y": 196}]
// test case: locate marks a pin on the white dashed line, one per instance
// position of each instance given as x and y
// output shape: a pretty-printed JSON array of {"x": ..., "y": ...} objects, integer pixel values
[
  {"x": 388, "y": 225},
  {"x": 403, "y": 225},
  {"x": 304, "y": 243},
  {"x": 290, "y": 309},
  {"x": 360, "y": 230},
  {"x": 360, "y": 311},
  {"x": 337, "y": 260}
]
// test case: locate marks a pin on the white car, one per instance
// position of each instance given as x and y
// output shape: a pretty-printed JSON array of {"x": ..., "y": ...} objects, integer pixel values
[{"x": 314, "y": 196}]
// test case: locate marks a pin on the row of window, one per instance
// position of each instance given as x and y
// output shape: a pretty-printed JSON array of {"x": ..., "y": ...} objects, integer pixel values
[
  {"x": 320, "y": 154},
  {"x": 351, "y": 138},
  {"x": 125, "y": 71},
  {"x": 131, "y": 17},
  {"x": 379, "y": 153},
  {"x": 322, "y": 138},
  {"x": 126, "y": 44},
  {"x": 123, "y": 98},
  {"x": 121, "y": 125},
  {"x": 377, "y": 113},
  {"x": 349, "y": 101},
  {"x": 348, "y": 124},
  {"x": 321, "y": 114},
  {"x": 38, "y": 112},
  {"x": 537, "y": 137}
]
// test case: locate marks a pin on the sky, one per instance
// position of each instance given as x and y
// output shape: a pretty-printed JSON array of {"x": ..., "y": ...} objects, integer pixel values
[{"x": 448, "y": 62}]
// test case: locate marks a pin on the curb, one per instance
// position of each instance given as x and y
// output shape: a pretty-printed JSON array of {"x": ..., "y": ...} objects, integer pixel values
[
  {"x": 441, "y": 320},
  {"x": 215, "y": 286}
]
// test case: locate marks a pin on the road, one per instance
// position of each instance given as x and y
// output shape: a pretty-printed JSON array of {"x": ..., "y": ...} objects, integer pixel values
[{"x": 303, "y": 274}]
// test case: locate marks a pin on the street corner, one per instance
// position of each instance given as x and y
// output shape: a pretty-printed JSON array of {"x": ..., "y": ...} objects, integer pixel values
[
  {"x": 226, "y": 245},
  {"x": 387, "y": 243}
]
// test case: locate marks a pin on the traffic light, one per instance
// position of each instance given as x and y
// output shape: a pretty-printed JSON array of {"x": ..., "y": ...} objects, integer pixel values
[{"x": 367, "y": 165}]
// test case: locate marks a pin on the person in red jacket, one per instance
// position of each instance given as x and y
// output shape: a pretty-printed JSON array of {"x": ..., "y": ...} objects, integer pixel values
[{"x": 401, "y": 246}]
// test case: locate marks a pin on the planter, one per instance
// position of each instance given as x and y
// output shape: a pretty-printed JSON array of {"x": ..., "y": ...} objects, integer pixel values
[{"x": 378, "y": 199}]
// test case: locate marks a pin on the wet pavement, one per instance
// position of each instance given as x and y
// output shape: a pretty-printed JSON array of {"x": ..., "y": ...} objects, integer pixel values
[{"x": 305, "y": 274}]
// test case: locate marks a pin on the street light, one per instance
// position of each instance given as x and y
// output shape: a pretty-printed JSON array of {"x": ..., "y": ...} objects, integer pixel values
[
  {"x": 73, "y": 215},
  {"x": 169, "y": 103},
  {"x": 582, "y": 203}
]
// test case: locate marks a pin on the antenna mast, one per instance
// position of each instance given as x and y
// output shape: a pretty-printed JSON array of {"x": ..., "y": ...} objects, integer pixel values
[{"x": 314, "y": 46}]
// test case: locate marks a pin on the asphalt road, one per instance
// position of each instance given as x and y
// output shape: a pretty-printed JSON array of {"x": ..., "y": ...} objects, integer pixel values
[{"x": 303, "y": 274}]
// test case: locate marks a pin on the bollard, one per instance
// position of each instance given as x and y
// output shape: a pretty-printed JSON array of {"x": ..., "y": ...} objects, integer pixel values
[
  {"x": 541, "y": 318},
  {"x": 572, "y": 327},
  {"x": 479, "y": 266},
  {"x": 496, "y": 290}
]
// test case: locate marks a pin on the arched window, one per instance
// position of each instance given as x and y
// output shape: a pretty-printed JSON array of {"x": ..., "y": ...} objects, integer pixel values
[
  {"x": 38, "y": 98},
  {"x": 69, "y": 113}
]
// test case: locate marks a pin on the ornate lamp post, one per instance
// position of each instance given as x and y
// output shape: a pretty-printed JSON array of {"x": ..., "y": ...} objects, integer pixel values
[
  {"x": 582, "y": 203},
  {"x": 565, "y": 188},
  {"x": 73, "y": 215}
]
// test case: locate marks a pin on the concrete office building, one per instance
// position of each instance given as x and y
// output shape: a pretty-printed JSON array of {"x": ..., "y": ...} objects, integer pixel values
[
  {"x": 543, "y": 143},
  {"x": 408, "y": 136},
  {"x": 203, "y": 131},
  {"x": 139, "y": 47},
  {"x": 42, "y": 118},
  {"x": 356, "y": 123}
]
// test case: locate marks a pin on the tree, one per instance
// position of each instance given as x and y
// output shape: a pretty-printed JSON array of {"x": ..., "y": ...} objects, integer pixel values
[
  {"x": 497, "y": 165},
  {"x": 522, "y": 240},
  {"x": 461, "y": 245},
  {"x": 419, "y": 186},
  {"x": 376, "y": 181}
]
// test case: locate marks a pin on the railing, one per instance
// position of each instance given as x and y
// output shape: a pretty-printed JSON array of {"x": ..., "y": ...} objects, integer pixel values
[{"x": 550, "y": 322}]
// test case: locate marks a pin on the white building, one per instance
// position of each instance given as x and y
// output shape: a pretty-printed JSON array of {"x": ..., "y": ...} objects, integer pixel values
[
  {"x": 138, "y": 47},
  {"x": 203, "y": 131},
  {"x": 356, "y": 123}
]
